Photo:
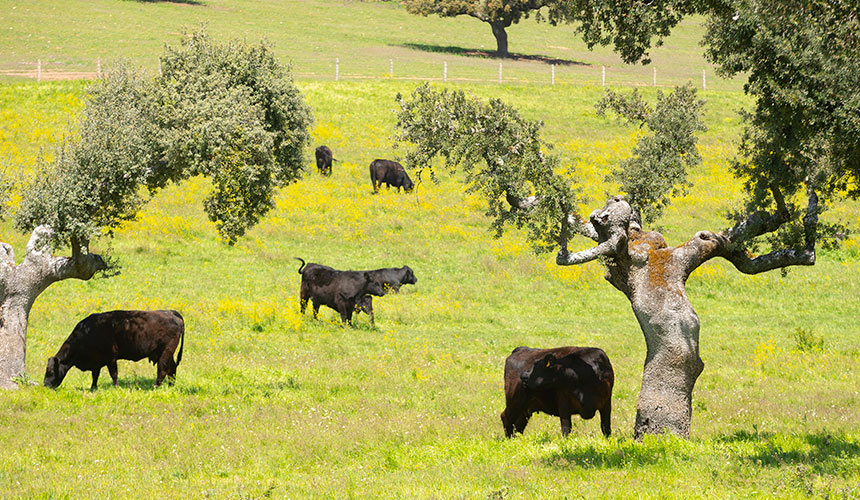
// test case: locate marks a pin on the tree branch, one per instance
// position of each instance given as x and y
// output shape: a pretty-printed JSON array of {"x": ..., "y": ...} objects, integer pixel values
[
  {"x": 729, "y": 244},
  {"x": 607, "y": 248},
  {"x": 48, "y": 268}
]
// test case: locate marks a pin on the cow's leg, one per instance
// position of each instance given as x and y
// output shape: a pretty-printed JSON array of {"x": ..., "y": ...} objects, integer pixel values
[
  {"x": 508, "y": 422},
  {"x": 605, "y": 424},
  {"x": 96, "y": 378},
  {"x": 112, "y": 370},
  {"x": 166, "y": 367},
  {"x": 564, "y": 410},
  {"x": 303, "y": 304},
  {"x": 316, "y": 308}
]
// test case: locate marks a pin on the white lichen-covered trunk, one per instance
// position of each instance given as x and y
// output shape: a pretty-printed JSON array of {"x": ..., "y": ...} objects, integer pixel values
[
  {"x": 672, "y": 366},
  {"x": 653, "y": 276},
  {"x": 21, "y": 284}
]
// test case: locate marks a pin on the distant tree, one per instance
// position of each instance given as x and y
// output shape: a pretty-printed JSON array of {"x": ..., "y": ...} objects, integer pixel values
[
  {"x": 227, "y": 111},
  {"x": 630, "y": 26}
]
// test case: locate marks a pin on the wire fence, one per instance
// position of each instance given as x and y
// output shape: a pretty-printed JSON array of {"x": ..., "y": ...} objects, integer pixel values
[{"x": 548, "y": 74}]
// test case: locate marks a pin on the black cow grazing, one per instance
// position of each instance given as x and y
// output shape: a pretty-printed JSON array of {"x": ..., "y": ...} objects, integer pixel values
[
  {"x": 101, "y": 339},
  {"x": 324, "y": 159},
  {"x": 391, "y": 173},
  {"x": 339, "y": 290},
  {"x": 563, "y": 381},
  {"x": 392, "y": 278}
]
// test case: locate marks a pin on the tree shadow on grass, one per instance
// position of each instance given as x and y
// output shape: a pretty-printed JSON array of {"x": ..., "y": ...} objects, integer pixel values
[
  {"x": 486, "y": 54},
  {"x": 823, "y": 452}
]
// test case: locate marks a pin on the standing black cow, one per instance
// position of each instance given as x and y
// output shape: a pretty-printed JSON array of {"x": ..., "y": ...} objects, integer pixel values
[
  {"x": 324, "y": 159},
  {"x": 563, "y": 381},
  {"x": 339, "y": 290},
  {"x": 391, "y": 173},
  {"x": 101, "y": 339},
  {"x": 392, "y": 278}
]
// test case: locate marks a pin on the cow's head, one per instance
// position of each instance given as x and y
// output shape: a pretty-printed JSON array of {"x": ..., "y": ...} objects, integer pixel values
[
  {"x": 408, "y": 185},
  {"x": 543, "y": 374},
  {"x": 408, "y": 276},
  {"x": 55, "y": 372},
  {"x": 374, "y": 287}
]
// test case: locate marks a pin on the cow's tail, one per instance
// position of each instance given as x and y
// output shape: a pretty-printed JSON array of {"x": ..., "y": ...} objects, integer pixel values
[
  {"x": 181, "y": 339},
  {"x": 302, "y": 266}
]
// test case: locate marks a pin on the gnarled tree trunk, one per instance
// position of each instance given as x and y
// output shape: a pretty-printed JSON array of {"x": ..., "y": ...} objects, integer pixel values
[
  {"x": 653, "y": 277},
  {"x": 21, "y": 284}
]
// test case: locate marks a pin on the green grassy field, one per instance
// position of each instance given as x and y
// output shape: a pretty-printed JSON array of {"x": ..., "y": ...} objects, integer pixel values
[
  {"x": 270, "y": 404},
  {"x": 311, "y": 34}
]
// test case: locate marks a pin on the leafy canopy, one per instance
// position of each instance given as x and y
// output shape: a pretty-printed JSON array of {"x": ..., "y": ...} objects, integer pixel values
[
  {"x": 500, "y": 152},
  {"x": 630, "y": 26},
  {"x": 502, "y": 155},
  {"x": 803, "y": 62},
  {"x": 228, "y": 111},
  {"x": 657, "y": 171}
]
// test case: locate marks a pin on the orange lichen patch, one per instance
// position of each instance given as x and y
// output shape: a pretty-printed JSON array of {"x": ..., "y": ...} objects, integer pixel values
[
  {"x": 659, "y": 256},
  {"x": 658, "y": 261}
]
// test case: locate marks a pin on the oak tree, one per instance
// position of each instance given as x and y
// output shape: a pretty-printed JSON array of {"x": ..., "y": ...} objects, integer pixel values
[{"x": 228, "y": 111}]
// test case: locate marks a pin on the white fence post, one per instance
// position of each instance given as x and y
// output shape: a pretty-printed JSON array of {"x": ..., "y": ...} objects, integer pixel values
[
  {"x": 445, "y": 71},
  {"x": 39, "y": 70},
  {"x": 553, "y": 74},
  {"x": 336, "y": 69},
  {"x": 500, "y": 72},
  {"x": 655, "y": 77},
  {"x": 99, "y": 67},
  {"x": 391, "y": 68},
  {"x": 603, "y": 76},
  {"x": 704, "y": 82},
  {"x": 159, "y": 66}
]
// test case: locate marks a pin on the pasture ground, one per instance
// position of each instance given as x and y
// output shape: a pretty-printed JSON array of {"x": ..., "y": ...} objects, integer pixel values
[{"x": 272, "y": 404}]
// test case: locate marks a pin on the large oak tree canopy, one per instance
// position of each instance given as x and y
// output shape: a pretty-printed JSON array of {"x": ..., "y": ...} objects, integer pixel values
[{"x": 226, "y": 111}]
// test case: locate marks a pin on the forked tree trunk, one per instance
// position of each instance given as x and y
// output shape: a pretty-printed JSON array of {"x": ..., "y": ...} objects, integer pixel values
[
  {"x": 501, "y": 37},
  {"x": 20, "y": 286},
  {"x": 653, "y": 276}
]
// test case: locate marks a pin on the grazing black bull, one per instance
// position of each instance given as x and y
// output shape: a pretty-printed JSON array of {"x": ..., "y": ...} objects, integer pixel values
[
  {"x": 392, "y": 278},
  {"x": 339, "y": 290},
  {"x": 101, "y": 339},
  {"x": 324, "y": 159},
  {"x": 563, "y": 381},
  {"x": 391, "y": 173}
]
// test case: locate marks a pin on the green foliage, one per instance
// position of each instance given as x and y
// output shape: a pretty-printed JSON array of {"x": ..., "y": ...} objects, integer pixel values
[
  {"x": 630, "y": 27},
  {"x": 803, "y": 62},
  {"x": 92, "y": 182},
  {"x": 500, "y": 153},
  {"x": 226, "y": 111},
  {"x": 505, "y": 12},
  {"x": 658, "y": 169},
  {"x": 805, "y": 340}
]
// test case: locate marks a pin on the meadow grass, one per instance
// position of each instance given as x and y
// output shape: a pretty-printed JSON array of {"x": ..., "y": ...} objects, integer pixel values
[
  {"x": 269, "y": 403},
  {"x": 312, "y": 34}
]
